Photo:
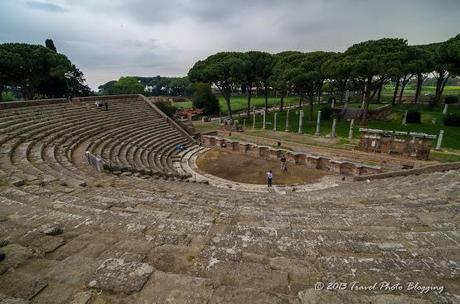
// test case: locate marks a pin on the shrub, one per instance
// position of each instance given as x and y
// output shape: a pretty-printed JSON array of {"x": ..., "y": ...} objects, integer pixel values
[
  {"x": 326, "y": 112},
  {"x": 413, "y": 116},
  {"x": 452, "y": 119},
  {"x": 203, "y": 98},
  {"x": 167, "y": 107},
  {"x": 451, "y": 99},
  {"x": 7, "y": 96}
]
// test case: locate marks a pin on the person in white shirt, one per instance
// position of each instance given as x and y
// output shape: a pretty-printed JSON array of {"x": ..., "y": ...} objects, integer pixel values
[{"x": 269, "y": 178}]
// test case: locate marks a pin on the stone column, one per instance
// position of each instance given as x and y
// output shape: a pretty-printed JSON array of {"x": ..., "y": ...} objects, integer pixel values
[
  {"x": 318, "y": 126},
  {"x": 333, "y": 103},
  {"x": 438, "y": 144},
  {"x": 274, "y": 121},
  {"x": 300, "y": 121},
  {"x": 445, "y": 109},
  {"x": 253, "y": 118},
  {"x": 350, "y": 132},
  {"x": 287, "y": 121},
  {"x": 334, "y": 122},
  {"x": 263, "y": 123},
  {"x": 404, "y": 121}
]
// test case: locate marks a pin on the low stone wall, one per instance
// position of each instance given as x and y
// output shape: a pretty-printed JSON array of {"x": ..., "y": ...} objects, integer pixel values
[
  {"x": 107, "y": 97},
  {"x": 308, "y": 160},
  {"x": 29, "y": 103},
  {"x": 40, "y": 102},
  {"x": 417, "y": 171}
]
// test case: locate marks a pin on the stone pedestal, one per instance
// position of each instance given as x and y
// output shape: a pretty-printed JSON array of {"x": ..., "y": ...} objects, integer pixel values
[
  {"x": 299, "y": 158},
  {"x": 334, "y": 123},
  {"x": 212, "y": 141},
  {"x": 439, "y": 142},
  {"x": 323, "y": 163},
  {"x": 335, "y": 166},
  {"x": 445, "y": 109},
  {"x": 274, "y": 153},
  {"x": 350, "y": 132},
  {"x": 312, "y": 162},
  {"x": 263, "y": 122},
  {"x": 235, "y": 146},
  {"x": 263, "y": 152},
  {"x": 300, "y": 121},
  {"x": 243, "y": 147}
]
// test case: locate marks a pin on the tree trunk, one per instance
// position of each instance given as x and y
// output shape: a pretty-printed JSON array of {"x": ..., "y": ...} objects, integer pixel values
[
  {"x": 418, "y": 90},
  {"x": 229, "y": 107},
  {"x": 300, "y": 101},
  {"x": 266, "y": 98},
  {"x": 374, "y": 92},
  {"x": 1, "y": 93},
  {"x": 320, "y": 91},
  {"x": 310, "y": 100},
  {"x": 379, "y": 94},
  {"x": 440, "y": 84},
  {"x": 395, "y": 92},
  {"x": 365, "y": 106},
  {"x": 282, "y": 101},
  {"x": 404, "y": 83},
  {"x": 249, "y": 93}
]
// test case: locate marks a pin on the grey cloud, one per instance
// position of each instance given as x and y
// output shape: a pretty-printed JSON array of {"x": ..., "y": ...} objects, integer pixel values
[
  {"x": 111, "y": 38},
  {"x": 46, "y": 6}
]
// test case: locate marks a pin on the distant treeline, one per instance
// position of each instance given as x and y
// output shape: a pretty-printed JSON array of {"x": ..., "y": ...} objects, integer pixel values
[
  {"x": 150, "y": 86},
  {"x": 364, "y": 67}
]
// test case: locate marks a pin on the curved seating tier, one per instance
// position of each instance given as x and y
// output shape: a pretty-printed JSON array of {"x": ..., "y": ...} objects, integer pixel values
[{"x": 45, "y": 143}]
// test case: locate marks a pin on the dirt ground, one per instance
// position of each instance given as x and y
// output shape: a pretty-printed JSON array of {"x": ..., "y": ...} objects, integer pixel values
[{"x": 247, "y": 169}]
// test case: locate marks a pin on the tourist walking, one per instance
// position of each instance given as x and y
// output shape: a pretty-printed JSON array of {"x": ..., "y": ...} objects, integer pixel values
[{"x": 269, "y": 178}]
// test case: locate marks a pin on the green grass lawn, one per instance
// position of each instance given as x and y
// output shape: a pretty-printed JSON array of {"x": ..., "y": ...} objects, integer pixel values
[
  {"x": 388, "y": 90},
  {"x": 431, "y": 124}
]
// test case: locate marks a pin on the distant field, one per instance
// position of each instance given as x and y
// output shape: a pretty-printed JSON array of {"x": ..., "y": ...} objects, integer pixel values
[
  {"x": 426, "y": 90},
  {"x": 240, "y": 102}
]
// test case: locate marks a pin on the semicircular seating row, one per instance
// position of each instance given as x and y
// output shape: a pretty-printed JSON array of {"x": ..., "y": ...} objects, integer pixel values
[{"x": 40, "y": 143}]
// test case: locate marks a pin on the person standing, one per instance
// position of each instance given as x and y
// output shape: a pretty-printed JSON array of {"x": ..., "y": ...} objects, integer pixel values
[
  {"x": 270, "y": 178},
  {"x": 106, "y": 104}
]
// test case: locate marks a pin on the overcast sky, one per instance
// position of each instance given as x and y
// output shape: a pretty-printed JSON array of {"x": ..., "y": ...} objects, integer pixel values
[{"x": 107, "y": 39}]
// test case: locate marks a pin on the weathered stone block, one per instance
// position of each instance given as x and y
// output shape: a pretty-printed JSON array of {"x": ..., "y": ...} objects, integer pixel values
[{"x": 120, "y": 276}]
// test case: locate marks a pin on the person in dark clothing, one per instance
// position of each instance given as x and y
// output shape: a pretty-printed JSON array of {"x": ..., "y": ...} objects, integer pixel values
[{"x": 106, "y": 104}]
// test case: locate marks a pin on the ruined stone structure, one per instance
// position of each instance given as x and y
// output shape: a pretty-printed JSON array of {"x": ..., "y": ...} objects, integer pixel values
[
  {"x": 71, "y": 234},
  {"x": 309, "y": 160},
  {"x": 409, "y": 144}
]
